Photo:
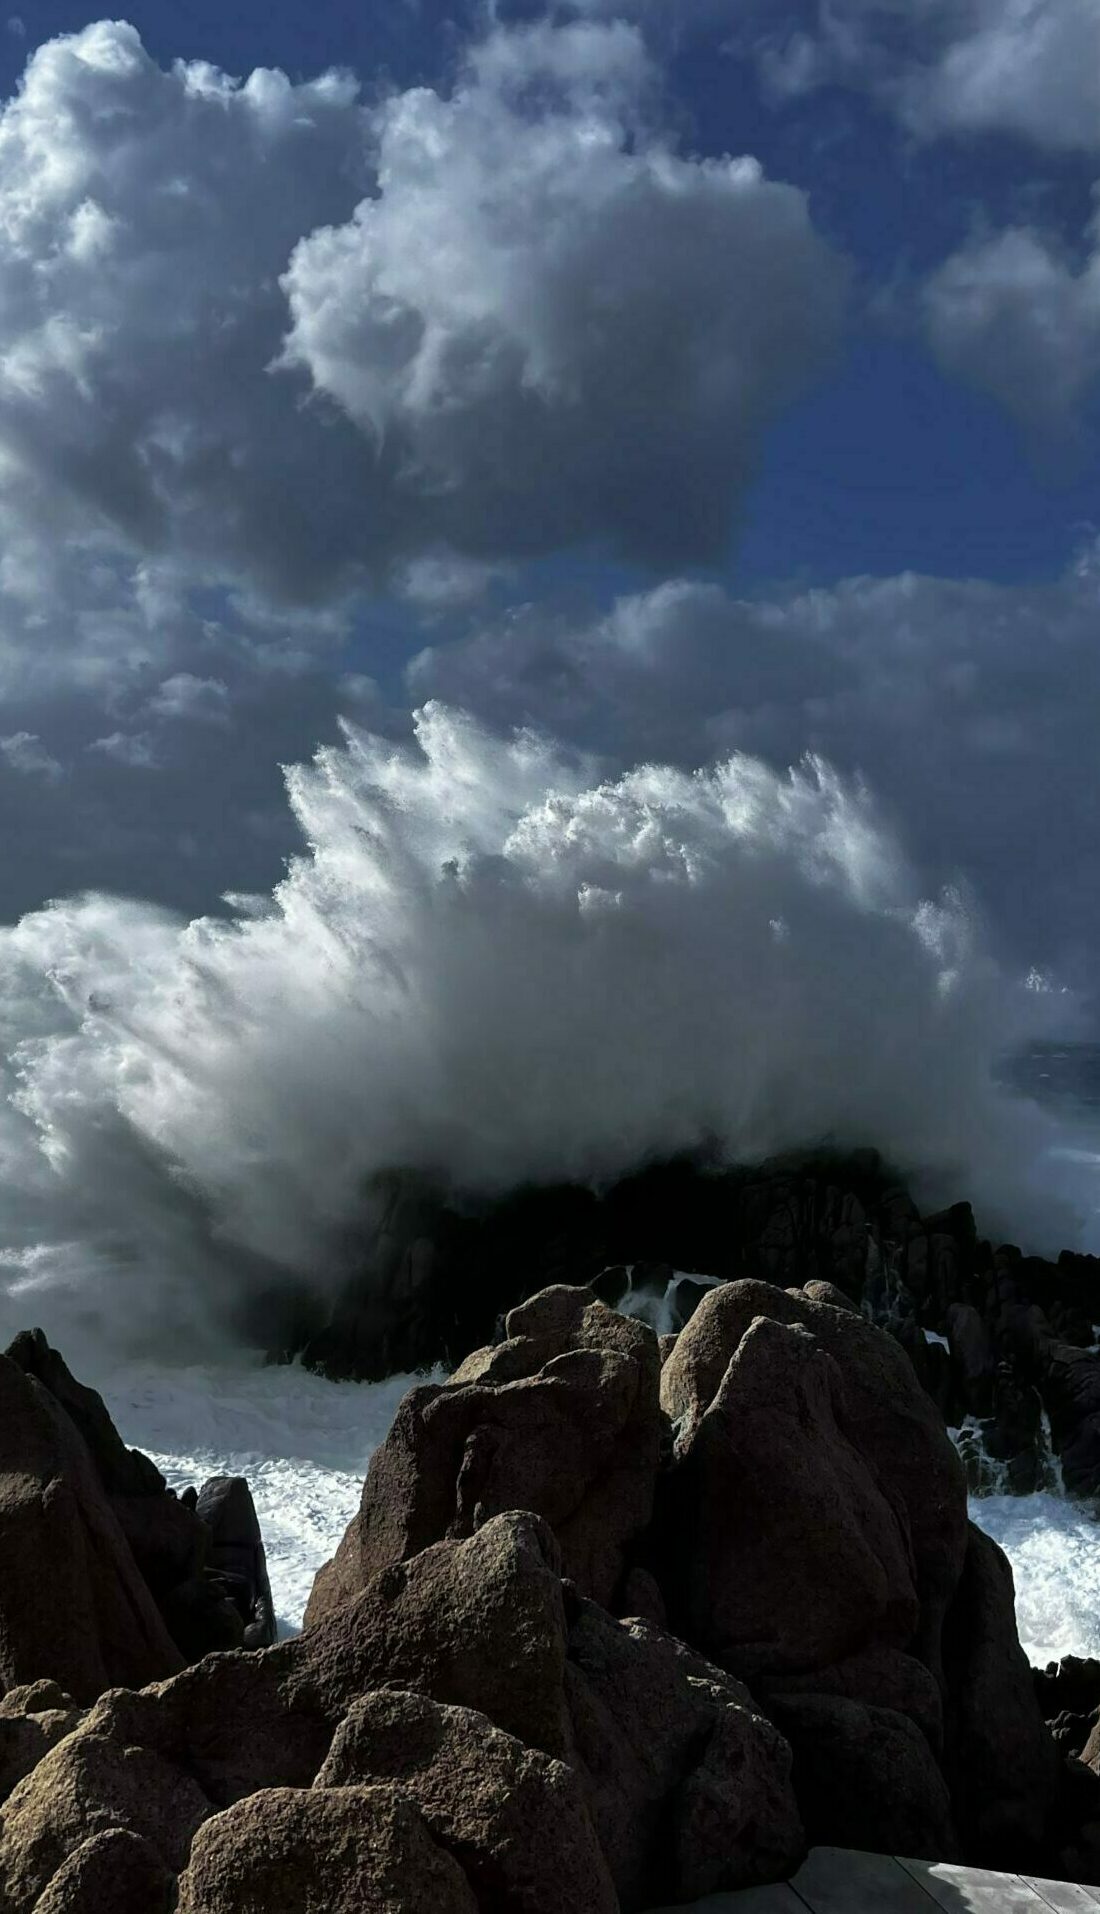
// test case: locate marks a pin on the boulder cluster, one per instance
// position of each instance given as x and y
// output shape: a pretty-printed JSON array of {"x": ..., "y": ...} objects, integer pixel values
[
  {"x": 621, "y": 1621},
  {"x": 1006, "y": 1342}
]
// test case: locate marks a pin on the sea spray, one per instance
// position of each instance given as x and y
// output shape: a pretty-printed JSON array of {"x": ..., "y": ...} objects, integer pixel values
[{"x": 492, "y": 963}]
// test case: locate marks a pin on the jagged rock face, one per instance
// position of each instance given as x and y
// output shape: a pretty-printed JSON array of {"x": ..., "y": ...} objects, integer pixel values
[
  {"x": 653, "y": 1769},
  {"x": 1001, "y": 1761},
  {"x": 429, "y": 1280},
  {"x": 770, "y": 1499},
  {"x": 73, "y": 1606},
  {"x": 871, "y": 1405},
  {"x": 561, "y": 1418},
  {"x": 203, "y": 1566}
]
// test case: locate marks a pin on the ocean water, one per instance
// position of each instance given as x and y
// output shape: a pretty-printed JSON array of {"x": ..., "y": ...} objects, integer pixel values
[{"x": 303, "y": 1443}]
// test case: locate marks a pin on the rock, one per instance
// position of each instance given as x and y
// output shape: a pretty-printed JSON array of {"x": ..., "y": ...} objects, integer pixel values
[
  {"x": 33, "y": 1719},
  {"x": 86, "y": 1785},
  {"x": 73, "y": 1606},
  {"x": 478, "y": 1624},
  {"x": 200, "y": 1599},
  {"x": 1071, "y": 1391},
  {"x": 562, "y": 1418},
  {"x": 688, "y": 1783},
  {"x": 167, "y": 1541},
  {"x": 642, "y": 1599},
  {"x": 34, "y": 1698},
  {"x": 115, "y": 1871},
  {"x": 782, "y": 1553},
  {"x": 972, "y": 1359},
  {"x": 865, "y": 1777},
  {"x": 882, "y": 1677},
  {"x": 887, "y": 1417},
  {"x": 1072, "y": 1684},
  {"x": 1000, "y": 1761},
  {"x": 820, "y": 1292},
  {"x": 1013, "y": 1434},
  {"x": 517, "y": 1819},
  {"x": 122, "y": 1471},
  {"x": 325, "y": 1851},
  {"x": 237, "y": 1552}
]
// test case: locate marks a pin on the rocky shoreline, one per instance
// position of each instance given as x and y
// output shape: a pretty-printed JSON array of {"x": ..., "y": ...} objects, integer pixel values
[
  {"x": 623, "y": 1619},
  {"x": 997, "y": 1336}
]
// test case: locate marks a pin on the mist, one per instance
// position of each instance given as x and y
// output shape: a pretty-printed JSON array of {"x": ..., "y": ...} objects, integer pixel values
[{"x": 490, "y": 963}]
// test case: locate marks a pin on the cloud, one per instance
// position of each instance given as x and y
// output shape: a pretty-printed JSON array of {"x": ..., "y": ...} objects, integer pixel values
[
  {"x": 969, "y": 707},
  {"x": 1017, "y": 316},
  {"x": 265, "y": 332},
  {"x": 444, "y": 581},
  {"x": 1029, "y": 68},
  {"x": 549, "y": 324},
  {"x": 25, "y": 753},
  {"x": 135, "y": 748},
  {"x": 190, "y": 699}
]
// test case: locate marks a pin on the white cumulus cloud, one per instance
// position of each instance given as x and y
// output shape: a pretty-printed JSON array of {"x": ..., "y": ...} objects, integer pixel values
[{"x": 1030, "y": 68}]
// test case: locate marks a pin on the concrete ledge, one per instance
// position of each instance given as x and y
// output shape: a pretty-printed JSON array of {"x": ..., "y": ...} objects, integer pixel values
[{"x": 845, "y": 1881}]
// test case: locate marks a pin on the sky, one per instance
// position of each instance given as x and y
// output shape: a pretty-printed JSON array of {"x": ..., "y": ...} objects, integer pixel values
[{"x": 673, "y": 379}]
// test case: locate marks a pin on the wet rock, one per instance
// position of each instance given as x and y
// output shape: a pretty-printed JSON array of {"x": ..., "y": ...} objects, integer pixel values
[
  {"x": 972, "y": 1359},
  {"x": 1071, "y": 1390},
  {"x": 1071, "y": 1684}
]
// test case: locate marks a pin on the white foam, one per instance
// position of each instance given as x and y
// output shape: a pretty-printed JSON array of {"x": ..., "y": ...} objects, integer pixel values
[
  {"x": 1054, "y": 1547},
  {"x": 304, "y": 1444}
]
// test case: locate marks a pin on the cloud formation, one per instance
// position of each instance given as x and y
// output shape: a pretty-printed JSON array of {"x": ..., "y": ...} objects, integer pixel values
[
  {"x": 547, "y": 323},
  {"x": 268, "y": 332},
  {"x": 969, "y": 707},
  {"x": 1029, "y": 68},
  {"x": 1018, "y": 316}
]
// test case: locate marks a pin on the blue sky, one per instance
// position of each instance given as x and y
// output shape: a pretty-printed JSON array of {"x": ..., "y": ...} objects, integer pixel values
[{"x": 849, "y": 398}]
